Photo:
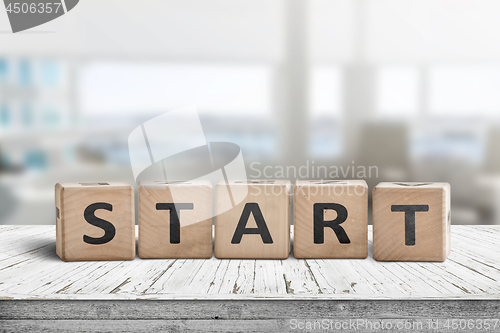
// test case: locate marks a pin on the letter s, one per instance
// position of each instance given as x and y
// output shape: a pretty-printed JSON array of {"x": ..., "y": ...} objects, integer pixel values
[{"x": 108, "y": 227}]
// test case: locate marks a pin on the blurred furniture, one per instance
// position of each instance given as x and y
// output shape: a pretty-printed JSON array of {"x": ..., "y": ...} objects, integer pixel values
[
  {"x": 7, "y": 203},
  {"x": 492, "y": 185},
  {"x": 386, "y": 146},
  {"x": 250, "y": 295},
  {"x": 491, "y": 164},
  {"x": 488, "y": 195}
]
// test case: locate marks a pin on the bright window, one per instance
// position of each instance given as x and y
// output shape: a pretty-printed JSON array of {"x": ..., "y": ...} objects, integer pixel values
[
  {"x": 325, "y": 105},
  {"x": 135, "y": 88},
  {"x": 233, "y": 101},
  {"x": 471, "y": 91},
  {"x": 397, "y": 92}
]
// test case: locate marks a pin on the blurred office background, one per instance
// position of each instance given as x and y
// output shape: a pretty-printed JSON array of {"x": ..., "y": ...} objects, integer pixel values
[{"x": 409, "y": 86}]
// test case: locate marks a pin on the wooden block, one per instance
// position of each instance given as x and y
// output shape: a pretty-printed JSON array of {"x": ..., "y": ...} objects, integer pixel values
[
  {"x": 330, "y": 219},
  {"x": 181, "y": 232},
  {"x": 259, "y": 226},
  {"x": 411, "y": 221},
  {"x": 95, "y": 221}
]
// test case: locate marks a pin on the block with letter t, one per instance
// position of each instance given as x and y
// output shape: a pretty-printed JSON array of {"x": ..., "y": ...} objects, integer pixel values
[
  {"x": 258, "y": 227},
  {"x": 411, "y": 221},
  {"x": 330, "y": 219},
  {"x": 175, "y": 219},
  {"x": 95, "y": 221}
]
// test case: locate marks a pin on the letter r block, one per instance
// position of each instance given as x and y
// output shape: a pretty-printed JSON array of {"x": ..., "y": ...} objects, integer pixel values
[
  {"x": 257, "y": 227},
  {"x": 411, "y": 221},
  {"x": 330, "y": 219},
  {"x": 95, "y": 221},
  {"x": 175, "y": 219}
]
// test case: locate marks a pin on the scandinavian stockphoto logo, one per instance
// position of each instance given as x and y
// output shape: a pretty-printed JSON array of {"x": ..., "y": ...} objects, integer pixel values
[
  {"x": 25, "y": 15},
  {"x": 172, "y": 148}
]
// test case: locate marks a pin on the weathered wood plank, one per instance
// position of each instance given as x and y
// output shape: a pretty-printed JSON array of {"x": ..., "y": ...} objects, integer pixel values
[
  {"x": 143, "y": 326},
  {"x": 246, "y": 316},
  {"x": 30, "y": 269},
  {"x": 269, "y": 277},
  {"x": 333, "y": 283},
  {"x": 298, "y": 277},
  {"x": 226, "y": 284},
  {"x": 245, "y": 278},
  {"x": 245, "y": 309}
]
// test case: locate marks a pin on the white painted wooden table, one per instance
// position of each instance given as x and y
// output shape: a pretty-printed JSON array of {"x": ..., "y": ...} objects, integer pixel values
[{"x": 152, "y": 293}]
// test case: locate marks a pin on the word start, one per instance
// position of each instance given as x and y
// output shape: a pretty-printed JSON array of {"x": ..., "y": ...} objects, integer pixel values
[{"x": 96, "y": 221}]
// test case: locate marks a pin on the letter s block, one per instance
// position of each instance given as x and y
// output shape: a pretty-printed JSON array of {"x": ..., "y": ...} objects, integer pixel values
[
  {"x": 175, "y": 219},
  {"x": 411, "y": 221},
  {"x": 330, "y": 219},
  {"x": 256, "y": 228},
  {"x": 95, "y": 221}
]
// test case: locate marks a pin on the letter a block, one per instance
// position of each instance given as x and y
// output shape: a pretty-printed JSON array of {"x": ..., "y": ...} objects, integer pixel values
[
  {"x": 330, "y": 219},
  {"x": 411, "y": 221},
  {"x": 95, "y": 221},
  {"x": 259, "y": 226},
  {"x": 175, "y": 219}
]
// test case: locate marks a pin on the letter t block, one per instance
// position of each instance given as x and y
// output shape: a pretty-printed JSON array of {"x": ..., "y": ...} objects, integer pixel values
[
  {"x": 411, "y": 221},
  {"x": 175, "y": 219}
]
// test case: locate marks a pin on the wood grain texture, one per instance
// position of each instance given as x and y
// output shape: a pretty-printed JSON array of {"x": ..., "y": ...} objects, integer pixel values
[
  {"x": 72, "y": 200},
  {"x": 416, "y": 324},
  {"x": 242, "y": 309},
  {"x": 351, "y": 194},
  {"x": 427, "y": 237},
  {"x": 228, "y": 316},
  {"x": 195, "y": 223},
  {"x": 30, "y": 269},
  {"x": 273, "y": 200}
]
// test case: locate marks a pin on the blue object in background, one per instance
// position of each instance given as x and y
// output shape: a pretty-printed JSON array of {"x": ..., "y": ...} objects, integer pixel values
[
  {"x": 5, "y": 116},
  {"x": 35, "y": 160},
  {"x": 51, "y": 74},
  {"x": 449, "y": 144},
  {"x": 4, "y": 70}
]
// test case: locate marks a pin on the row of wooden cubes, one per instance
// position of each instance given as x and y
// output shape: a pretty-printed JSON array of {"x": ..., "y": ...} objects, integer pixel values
[{"x": 96, "y": 221}]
